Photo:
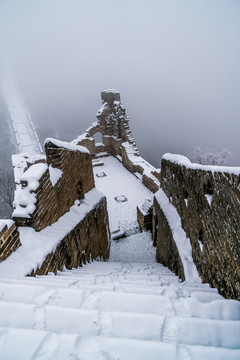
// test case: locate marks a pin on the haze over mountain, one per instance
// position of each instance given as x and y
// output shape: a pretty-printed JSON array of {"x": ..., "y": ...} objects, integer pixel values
[{"x": 176, "y": 65}]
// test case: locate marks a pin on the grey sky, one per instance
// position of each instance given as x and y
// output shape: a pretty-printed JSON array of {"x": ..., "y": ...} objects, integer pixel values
[{"x": 176, "y": 64}]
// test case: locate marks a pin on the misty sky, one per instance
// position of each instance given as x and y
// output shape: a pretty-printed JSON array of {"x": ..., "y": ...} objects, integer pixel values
[{"x": 175, "y": 63}]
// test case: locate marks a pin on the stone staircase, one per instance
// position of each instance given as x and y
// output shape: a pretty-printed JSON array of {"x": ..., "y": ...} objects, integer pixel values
[{"x": 113, "y": 311}]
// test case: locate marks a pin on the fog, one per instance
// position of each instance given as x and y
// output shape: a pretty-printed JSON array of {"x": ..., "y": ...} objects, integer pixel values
[{"x": 175, "y": 63}]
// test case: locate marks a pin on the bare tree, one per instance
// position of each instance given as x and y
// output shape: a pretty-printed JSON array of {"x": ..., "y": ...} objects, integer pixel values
[{"x": 209, "y": 157}]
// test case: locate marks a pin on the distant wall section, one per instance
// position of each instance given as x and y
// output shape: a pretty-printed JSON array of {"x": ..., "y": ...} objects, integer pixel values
[{"x": 117, "y": 140}]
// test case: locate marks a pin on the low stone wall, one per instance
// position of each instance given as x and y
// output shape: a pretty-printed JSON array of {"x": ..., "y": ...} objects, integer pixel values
[
  {"x": 9, "y": 238},
  {"x": 89, "y": 240},
  {"x": 208, "y": 202}
]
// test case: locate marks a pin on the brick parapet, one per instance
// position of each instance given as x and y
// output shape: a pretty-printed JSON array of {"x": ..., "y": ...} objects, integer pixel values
[
  {"x": 52, "y": 200},
  {"x": 209, "y": 206}
]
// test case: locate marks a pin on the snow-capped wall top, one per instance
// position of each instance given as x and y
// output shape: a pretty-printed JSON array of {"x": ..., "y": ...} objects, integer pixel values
[
  {"x": 70, "y": 146},
  {"x": 4, "y": 222},
  {"x": 34, "y": 173},
  {"x": 184, "y": 161},
  {"x": 21, "y": 162},
  {"x": 111, "y": 91}
]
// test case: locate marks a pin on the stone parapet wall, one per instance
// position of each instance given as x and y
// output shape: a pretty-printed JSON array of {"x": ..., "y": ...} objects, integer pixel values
[
  {"x": 67, "y": 178},
  {"x": 208, "y": 202},
  {"x": 9, "y": 238},
  {"x": 89, "y": 240}
]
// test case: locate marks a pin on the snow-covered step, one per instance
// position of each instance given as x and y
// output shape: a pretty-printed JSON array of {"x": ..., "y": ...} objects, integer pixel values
[
  {"x": 42, "y": 345},
  {"x": 206, "y": 332},
  {"x": 152, "y": 327},
  {"x": 132, "y": 301}
]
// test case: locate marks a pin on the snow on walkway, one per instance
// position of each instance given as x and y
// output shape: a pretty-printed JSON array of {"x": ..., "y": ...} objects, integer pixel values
[{"x": 113, "y": 180}]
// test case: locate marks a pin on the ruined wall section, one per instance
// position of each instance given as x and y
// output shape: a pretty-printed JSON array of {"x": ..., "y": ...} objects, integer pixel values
[
  {"x": 208, "y": 201},
  {"x": 47, "y": 191},
  {"x": 118, "y": 141}
]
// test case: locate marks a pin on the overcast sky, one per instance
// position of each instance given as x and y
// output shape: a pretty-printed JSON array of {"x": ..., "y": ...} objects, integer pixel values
[{"x": 175, "y": 63}]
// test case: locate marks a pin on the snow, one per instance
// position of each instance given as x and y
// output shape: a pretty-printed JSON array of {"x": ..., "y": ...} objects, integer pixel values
[
  {"x": 209, "y": 198},
  {"x": 114, "y": 91},
  {"x": 67, "y": 145},
  {"x": 182, "y": 242},
  {"x": 4, "y": 223},
  {"x": 37, "y": 245},
  {"x": 102, "y": 108},
  {"x": 21, "y": 162},
  {"x": 55, "y": 175},
  {"x": 122, "y": 215},
  {"x": 139, "y": 161},
  {"x": 34, "y": 172},
  {"x": 137, "y": 248},
  {"x": 25, "y": 198},
  {"x": 184, "y": 161}
]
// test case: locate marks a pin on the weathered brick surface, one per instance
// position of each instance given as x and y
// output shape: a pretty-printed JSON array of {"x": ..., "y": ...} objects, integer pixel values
[
  {"x": 213, "y": 228},
  {"x": 9, "y": 241},
  {"x": 89, "y": 240}
]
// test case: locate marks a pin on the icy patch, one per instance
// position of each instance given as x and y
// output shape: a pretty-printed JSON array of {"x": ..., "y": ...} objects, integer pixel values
[
  {"x": 55, "y": 175},
  {"x": 182, "y": 242}
]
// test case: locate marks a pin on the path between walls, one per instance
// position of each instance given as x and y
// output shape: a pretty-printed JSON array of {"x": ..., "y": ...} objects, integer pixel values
[{"x": 125, "y": 309}]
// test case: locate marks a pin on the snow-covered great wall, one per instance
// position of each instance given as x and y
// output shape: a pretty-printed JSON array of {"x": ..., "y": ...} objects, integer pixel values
[{"x": 119, "y": 303}]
